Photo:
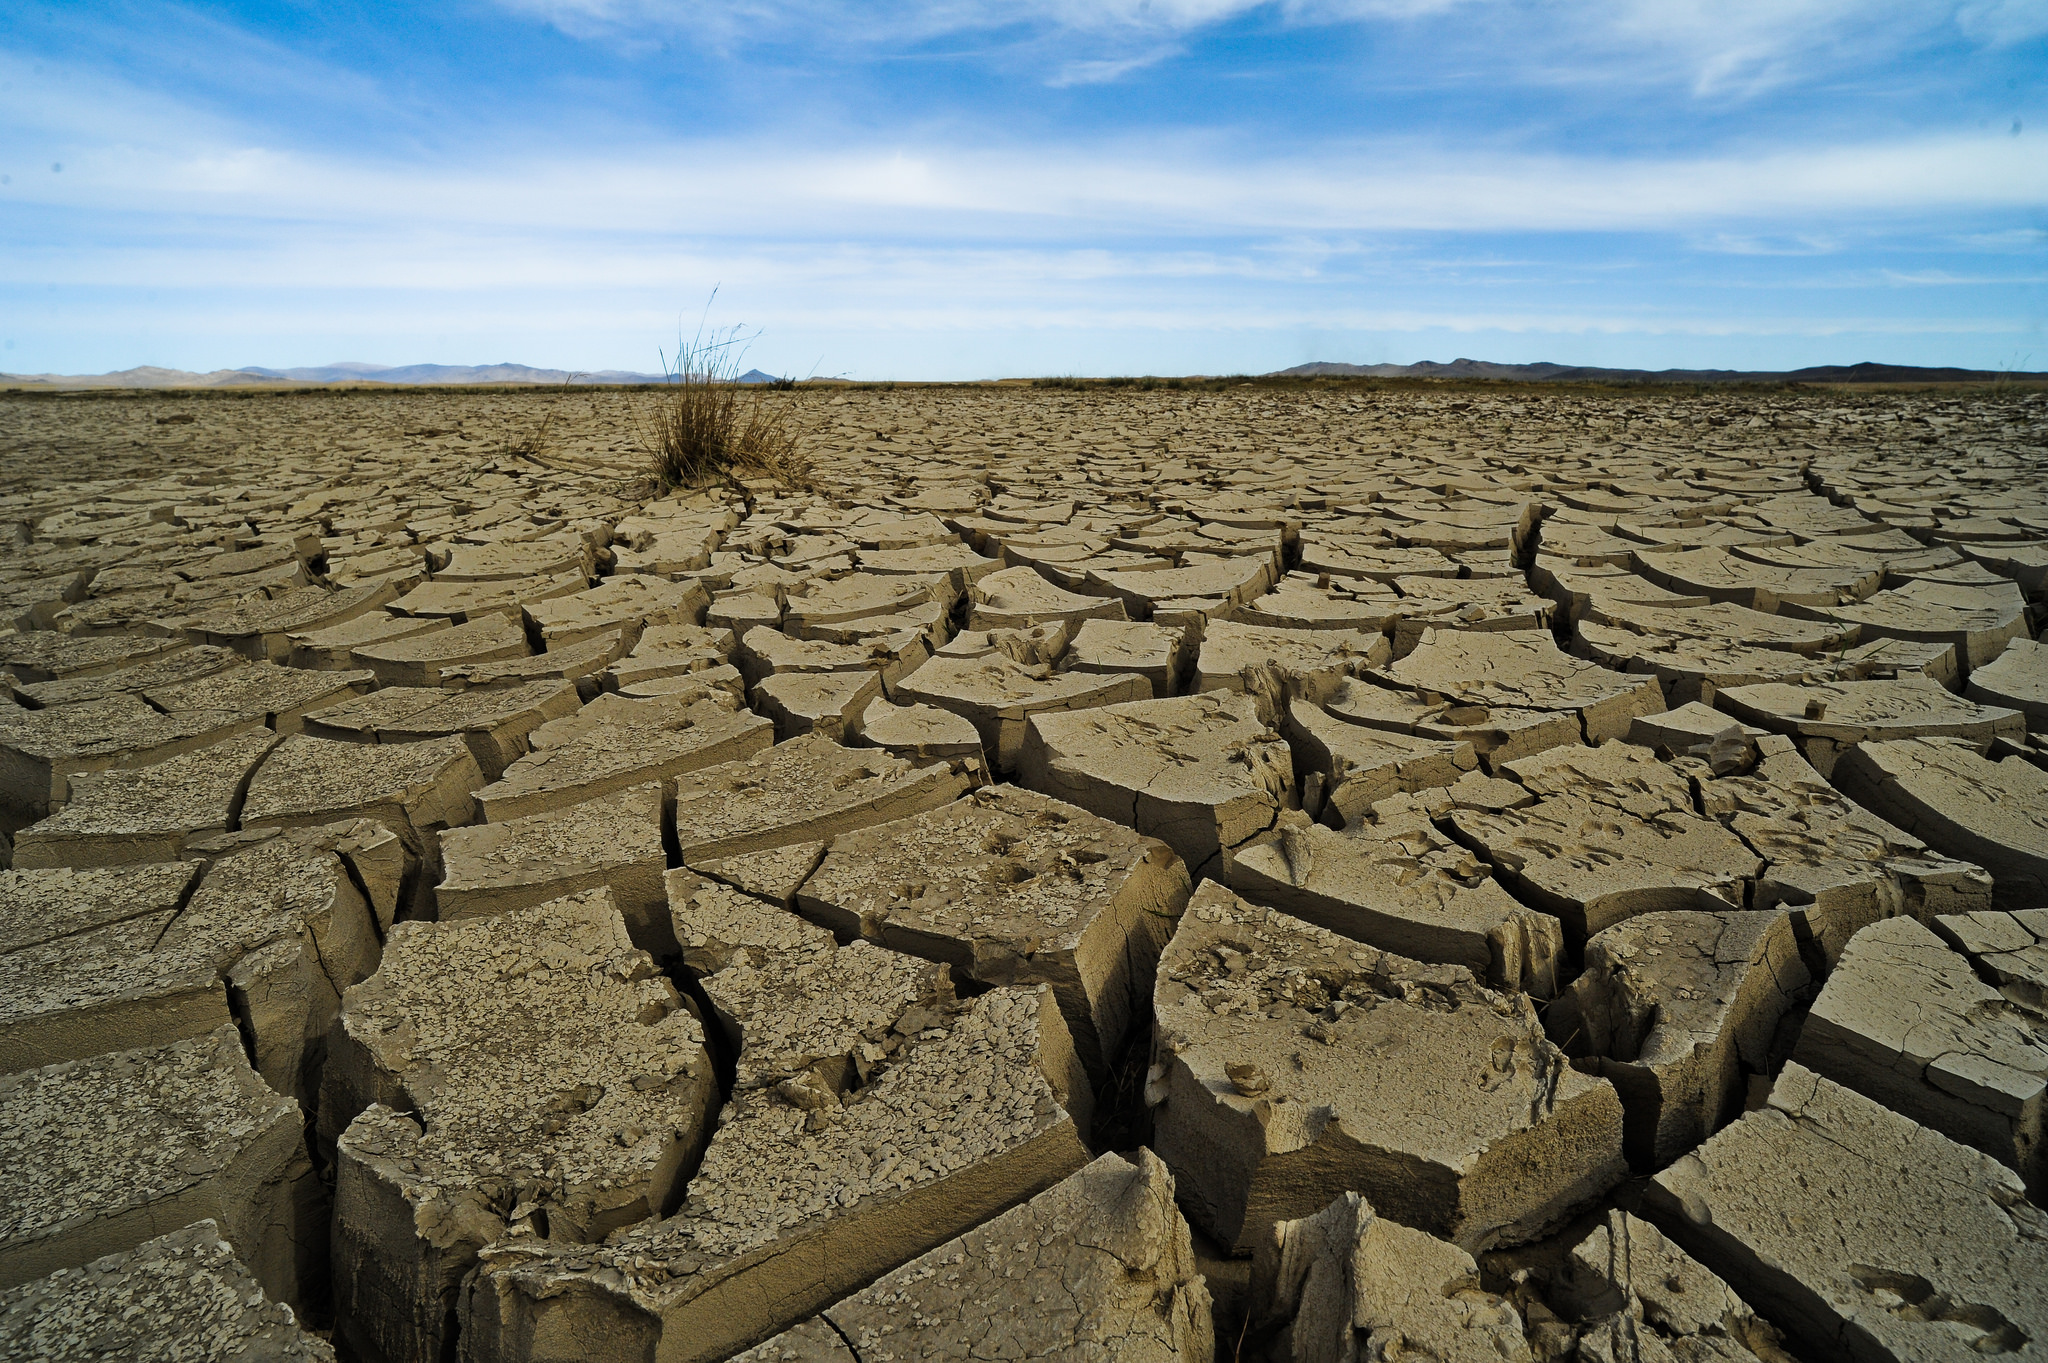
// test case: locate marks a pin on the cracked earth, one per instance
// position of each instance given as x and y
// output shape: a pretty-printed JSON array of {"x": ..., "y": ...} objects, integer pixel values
[{"x": 1306, "y": 875}]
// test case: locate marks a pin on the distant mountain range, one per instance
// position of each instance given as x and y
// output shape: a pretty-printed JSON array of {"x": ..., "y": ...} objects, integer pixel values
[
  {"x": 356, "y": 373},
  {"x": 343, "y": 372},
  {"x": 1866, "y": 372}
]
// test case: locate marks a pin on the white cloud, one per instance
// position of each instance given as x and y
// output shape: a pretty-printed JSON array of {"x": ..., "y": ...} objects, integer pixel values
[
  {"x": 1104, "y": 71},
  {"x": 1174, "y": 188},
  {"x": 2003, "y": 21},
  {"x": 1718, "y": 48}
]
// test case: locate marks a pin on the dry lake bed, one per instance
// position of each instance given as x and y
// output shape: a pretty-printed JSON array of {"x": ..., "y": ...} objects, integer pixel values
[{"x": 1313, "y": 872}]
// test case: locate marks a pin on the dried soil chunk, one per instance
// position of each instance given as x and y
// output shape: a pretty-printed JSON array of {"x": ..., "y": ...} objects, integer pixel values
[
  {"x": 774, "y": 875},
  {"x": 957, "y": 561},
  {"x": 1899, "y": 1244},
  {"x": 999, "y": 697},
  {"x": 1155, "y": 652},
  {"x": 333, "y": 649},
  {"x": 44, "y": 905},
  {"x": 1692, "y": 669},
  {"x": 1201, "y": 773},
  {"x": 76, "y": 972},
  {"x": 811, "y": 1186},
  {"x": 1837, "y": 865},
  {"x": 271, "y": 695},
  {"x": 859, "y": 595},
  {"x": 800, "y": 791},
  {"x": 1594, "y": 862},
  {"x": 1497, "y": 735},
  {"x": 1827, "y": 717},
  {"x": 273, "y": 934},
  {"x": 1525, "y": 670},
  {"x": 1307, "y": 663},
  {"x": 1652, "y": 1295},
  {"x": 627, "y": 603},
  {"x": 614, "y": 743},
  {"x": 44, "y": 655},
  {"x": 2018, "y": 679},
  {"x": 693, "y": 686},
  {"x": 1014, "y": 887},
  {"x": 508, "y": 562},
  {"x": 419, "y": 659},
  {"x": 766, "y": 652},
  {"x": 40, "y": 750},
  {"x": 263, "y": 629},
  {"x": 1675, "y": 1009},
  {"x": 829, "y": 703},
  {"x": 1361, "y": 766},
  {"x": 165, "y": 669},
  {"x": 1495, "y": 604},
  {"x": 1696, "y": 730},
  {"x": 1233, "y": 581},
  {"x": 1292, "y": 1063},
  {"x": 613, "y": 841},
  {"x": 1348, "y": 1283},
  {"x": 102, "y": 1153},
  {"x": 580, "y": 662},
  {"x": 666, "y": 650},
  {"x": 1402, "y": 886},
  {"x": 1730, "y": 625},
  {"x": 1720, "y": 575},
  {"x": 475, "y": 602},
  {"x": 182, "y": 1295},
  {"x": 357, "y": 719},
  {"x": 1020, "y": 596},
  {"x": 918, "y": 733},
  {"x": 1580, "y": 588},
  {"x": 1298, "y": 602},
  {"x": 493, "y": 721},
  {"x": 737, "y": 612},
  {"x": 545, "y": 1080},
  {"x": 415, "y": 789},
  {"x": 2008, "y": 949},
  {"x": 1100, "y": 1265},
  {"x": 1992, "y": 813},
  {"x": 1978, "y": 623},
  {"x": 1904, "y": 1020},
  {"x": 151, "y": 814},
  {"x": 1377, "y": 563}
]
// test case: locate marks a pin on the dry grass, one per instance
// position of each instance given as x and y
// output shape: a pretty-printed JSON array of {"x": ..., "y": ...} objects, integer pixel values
[
  {"x": 537, "y": 436},
  {"x": 706, "y": 428}
]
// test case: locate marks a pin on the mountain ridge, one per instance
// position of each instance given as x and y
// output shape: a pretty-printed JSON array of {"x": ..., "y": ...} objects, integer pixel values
[
  {"x": 344, "y": 372},
  {"x": 348, "y": 372},
  {"x": 1869, "y": 371}
]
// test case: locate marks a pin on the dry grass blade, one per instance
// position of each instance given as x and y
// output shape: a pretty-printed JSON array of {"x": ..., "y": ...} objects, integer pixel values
[
  {"x": 706, "y": 427},
  {"x": 538, "y": 436}
]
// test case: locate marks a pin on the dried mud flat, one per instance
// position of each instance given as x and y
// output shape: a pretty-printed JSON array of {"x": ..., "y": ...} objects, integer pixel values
[{"x": 1303, "y": 874}]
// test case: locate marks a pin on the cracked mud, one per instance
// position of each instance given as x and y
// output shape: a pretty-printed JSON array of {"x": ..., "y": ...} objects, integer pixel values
[{"x": 1307, "y": 874}]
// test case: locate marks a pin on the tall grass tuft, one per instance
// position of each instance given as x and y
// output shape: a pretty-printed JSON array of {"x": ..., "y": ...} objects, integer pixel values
[{"x": 704, "y": 427}]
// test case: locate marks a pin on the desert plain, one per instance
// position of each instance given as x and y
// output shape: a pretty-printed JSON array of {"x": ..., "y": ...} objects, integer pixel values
[{"x": 1308, "y": 872}]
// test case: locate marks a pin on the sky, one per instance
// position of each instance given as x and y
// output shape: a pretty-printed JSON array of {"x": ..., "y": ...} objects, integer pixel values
[{"x": 960, "y": 189}]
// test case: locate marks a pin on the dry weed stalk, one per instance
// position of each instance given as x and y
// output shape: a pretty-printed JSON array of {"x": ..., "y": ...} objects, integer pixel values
[
  {"x": 538, "y": 437},
  {"x": 707, "y": 427}
]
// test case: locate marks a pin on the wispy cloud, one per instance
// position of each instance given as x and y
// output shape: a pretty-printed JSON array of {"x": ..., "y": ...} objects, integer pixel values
[
  {"x": 1741, "y": 244},
  {"x": 127, "y": 149},
  {"x": 1219, "y": 171},
  {"x": 1719, "y": 48},
  {"x": 1103, "y": 71}
]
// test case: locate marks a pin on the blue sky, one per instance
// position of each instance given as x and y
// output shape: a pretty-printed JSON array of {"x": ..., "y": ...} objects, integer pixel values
[{"x": 964, "y": 189}]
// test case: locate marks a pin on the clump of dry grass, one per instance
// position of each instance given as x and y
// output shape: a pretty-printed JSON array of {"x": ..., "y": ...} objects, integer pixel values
[{"x": 706, "y": 427}]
